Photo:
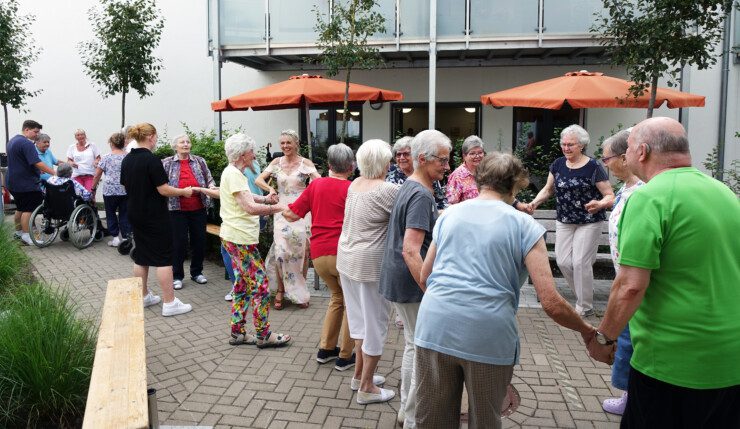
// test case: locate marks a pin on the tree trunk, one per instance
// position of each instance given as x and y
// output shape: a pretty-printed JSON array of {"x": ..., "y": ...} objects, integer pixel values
[
  {"x": 7, "y": 136},
  {"x": 653, "y": 94},
  {"x": 346, "y": 107},
  {"x": 123, "y": 109}
]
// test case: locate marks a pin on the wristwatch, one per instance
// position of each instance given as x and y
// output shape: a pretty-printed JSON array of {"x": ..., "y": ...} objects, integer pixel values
[{"x": 603, "y": 339}]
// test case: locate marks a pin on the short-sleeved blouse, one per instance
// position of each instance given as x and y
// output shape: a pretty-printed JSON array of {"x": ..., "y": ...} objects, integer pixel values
[
  {"x": 574, "y": 187},
  {"x": 111, "y": 166},
  {"x": 85, "y": 159},
  {"x": 461, "y": 185},
  {"x": 396, "y": 176},
  {"x": 365, "y": 228},
  {"x": 619, "y": 200}
]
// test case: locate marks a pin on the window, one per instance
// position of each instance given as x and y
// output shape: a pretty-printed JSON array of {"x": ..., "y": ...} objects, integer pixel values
[
  {"x": 455, "y": 120},
  {"x": 326, "y": 128}
]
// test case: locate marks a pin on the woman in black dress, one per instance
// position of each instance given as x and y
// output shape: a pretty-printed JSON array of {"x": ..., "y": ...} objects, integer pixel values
[{"x": 147, "y": 186}]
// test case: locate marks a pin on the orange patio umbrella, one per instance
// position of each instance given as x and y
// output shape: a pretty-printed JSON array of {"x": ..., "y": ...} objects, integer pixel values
[
  {"x": 585, "y": 89},
  {"x": 303, "y": 91}
]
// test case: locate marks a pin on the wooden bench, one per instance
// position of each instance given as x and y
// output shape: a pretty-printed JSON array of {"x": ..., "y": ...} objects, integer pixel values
[
  {"x": 546, "y": 218},
  {"x": 117, "y": 397}
]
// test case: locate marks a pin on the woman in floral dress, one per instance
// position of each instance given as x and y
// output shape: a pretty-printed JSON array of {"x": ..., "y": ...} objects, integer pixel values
[{"x": 291, "y": 173}]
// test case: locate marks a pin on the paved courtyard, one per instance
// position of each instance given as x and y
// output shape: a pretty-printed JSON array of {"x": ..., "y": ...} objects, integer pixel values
[{"x": 203, "y": 381}]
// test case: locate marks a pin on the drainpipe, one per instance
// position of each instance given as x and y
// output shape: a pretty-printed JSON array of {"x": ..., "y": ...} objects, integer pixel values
[
  {"x": 432, "y": 62},
  {"x": 723, "y": 97},
  {"x": 216, "y": 41}
]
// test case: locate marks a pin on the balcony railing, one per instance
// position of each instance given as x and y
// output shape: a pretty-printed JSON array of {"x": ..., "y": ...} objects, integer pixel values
[{"x": 266, "y": 23}]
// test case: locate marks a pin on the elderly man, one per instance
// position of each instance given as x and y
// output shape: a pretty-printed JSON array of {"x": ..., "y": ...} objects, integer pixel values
[
  {"x": 409, "y": 235},
  {"x": 43, "y": 141},
  {"x": 23, "y": 176},
  {"x": 678, "y": 286}
]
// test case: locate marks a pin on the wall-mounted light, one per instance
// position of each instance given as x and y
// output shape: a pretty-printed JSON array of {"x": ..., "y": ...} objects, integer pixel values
[
  {"x": 407, "y": 109},
  {"x": 470, "y": 109},
  {"x": 354, "y": 113}
]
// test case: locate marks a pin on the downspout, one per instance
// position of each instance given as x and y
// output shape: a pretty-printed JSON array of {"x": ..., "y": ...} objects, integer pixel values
[
  {"x": 432, "y": 62},
  {"x": 723, "y": 97},
  {"x": 216, "y": 41}
]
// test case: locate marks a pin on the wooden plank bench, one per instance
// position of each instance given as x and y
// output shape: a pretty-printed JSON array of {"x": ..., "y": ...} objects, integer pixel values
[
  {"x": 117, "y": 397},
  {"x": 546, "y": 218}
]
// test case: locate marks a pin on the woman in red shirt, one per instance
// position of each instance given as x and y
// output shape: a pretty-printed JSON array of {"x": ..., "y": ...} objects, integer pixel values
[
  {"x": 188, "y": 213},
  {"x": 325, "y": 198}
]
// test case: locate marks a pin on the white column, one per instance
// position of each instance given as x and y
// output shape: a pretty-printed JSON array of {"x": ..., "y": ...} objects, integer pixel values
[
  {"x": 216, "y": 55},
  {"x": 432, "y": 62}
]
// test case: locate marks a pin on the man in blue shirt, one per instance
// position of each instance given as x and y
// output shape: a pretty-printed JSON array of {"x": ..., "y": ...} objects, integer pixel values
[
  {"x": 23, "y": 176},
  {"x": 43, "y": 141}
]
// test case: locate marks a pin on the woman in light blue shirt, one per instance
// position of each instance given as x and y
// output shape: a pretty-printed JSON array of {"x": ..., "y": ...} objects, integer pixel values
[{"x": 466, "y": 327}]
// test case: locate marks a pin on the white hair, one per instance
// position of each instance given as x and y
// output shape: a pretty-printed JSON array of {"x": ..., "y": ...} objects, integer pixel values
[
  {"x": 471, "y": 142},
  {"x": 373, "y": 157},
  {"x": 340, "y": 158},
  {"x": 402, "y": 143},
  {"x": 428, "y": 143},
  {"x": 578, "y": 132},
  {"x": 173, "y": 143},
  {"x": 237, "y": 145}
]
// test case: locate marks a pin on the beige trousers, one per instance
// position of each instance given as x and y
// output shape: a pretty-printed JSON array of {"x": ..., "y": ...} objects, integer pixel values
[{"x": 336, "y": 315}]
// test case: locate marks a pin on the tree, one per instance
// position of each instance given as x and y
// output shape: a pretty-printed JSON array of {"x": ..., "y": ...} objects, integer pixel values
[
  {"x": 17, "y": 52},
  {"x": 120, "y": 57},
  {"x": 653, "y": 38},
  {"x": 342, "y": 38}
]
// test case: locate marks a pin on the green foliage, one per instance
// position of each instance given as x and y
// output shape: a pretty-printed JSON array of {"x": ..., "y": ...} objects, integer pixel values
[
  {"x": 599, "y": 151},
  {"x": 14, "y": 270},
  {"x": 537, "y": 161},
  {"x": 17, "y": 52},
  {"x": 731, "y": 176},
  {"x": 121, "y": 55},
  {"x": 342, "y": 39},
  {"x": 46, "y": 359},
  {"x": 654, "y": 38}
]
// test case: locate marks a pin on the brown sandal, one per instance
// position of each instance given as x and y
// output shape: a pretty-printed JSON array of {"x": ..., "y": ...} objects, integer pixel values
[{"x": 279, "y": 299}]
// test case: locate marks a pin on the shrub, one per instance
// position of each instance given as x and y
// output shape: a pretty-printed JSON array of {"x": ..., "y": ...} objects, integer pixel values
[
  {"x": 14, "y": 265},
  {"x": 45, "y": 360}
]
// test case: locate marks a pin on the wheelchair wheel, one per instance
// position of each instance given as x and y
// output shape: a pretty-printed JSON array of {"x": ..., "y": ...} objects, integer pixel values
[
  {"x": 42, "y": 230},
  {"x": 82, "y": 226}
]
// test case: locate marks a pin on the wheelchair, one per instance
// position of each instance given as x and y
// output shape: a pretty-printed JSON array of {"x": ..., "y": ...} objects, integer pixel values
[{"x": 66, "y": 214}]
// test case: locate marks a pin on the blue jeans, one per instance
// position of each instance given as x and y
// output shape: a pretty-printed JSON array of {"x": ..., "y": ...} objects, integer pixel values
[
  {"x": 621, "y": 367},
  {"x": 117, "y": 223},
  {"x": 227, "y": 264}
]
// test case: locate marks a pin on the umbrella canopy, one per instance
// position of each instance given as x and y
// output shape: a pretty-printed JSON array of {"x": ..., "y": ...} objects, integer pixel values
[
  {"x": 584, "y": 89},
  {"x": 301, "y": 90}
]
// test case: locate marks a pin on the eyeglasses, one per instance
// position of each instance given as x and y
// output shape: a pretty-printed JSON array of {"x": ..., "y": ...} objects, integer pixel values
[
  {"x": 568, "y": 145},
  {"x": 442, "y": 161},
  {"x": 607, "y": 158},
  {"x": 477, "y": 154},
  {"x": 403, "y": 154}
]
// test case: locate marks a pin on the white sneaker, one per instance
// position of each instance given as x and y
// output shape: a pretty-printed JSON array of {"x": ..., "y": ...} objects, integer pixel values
[
  {"x": 26, "y": 238},
  {"x": 378, "y": 380},
  {"x": 228, "y": 297},
  {"x": 115, "y": 242},
  {"x": 150, "y": 300},
  {"x": 200, "y": 279},
  {"x": 175, "y": 307},
  {"x": 385, "y": 395},
  {"x": 177, "y": 284}
]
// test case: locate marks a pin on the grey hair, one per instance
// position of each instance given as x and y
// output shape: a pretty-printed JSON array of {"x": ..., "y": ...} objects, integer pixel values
[
  {"x": 373, "y": 157},
  {"x": 292, "y": 134},
  {"x": 400, "y": 144},
  {"x": 64, "y": 170},
  {"x": 43, "y": 138},
  {"x": 80, "y": 131},
  {"x": 661, "y": 140},
  {"x": 617, "y": 143},
  {"x": 237, "y": 145},
  {"x": 428, "y": 143},
  {"x": 471, "y": 142},
  {"x": 580, "y": 134},
  {"x": 340, "y": 158},
  {"x": 173, "y": 143}
]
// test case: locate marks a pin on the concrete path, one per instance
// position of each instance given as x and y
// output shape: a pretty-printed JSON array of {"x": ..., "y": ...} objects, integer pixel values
[{"x": 203, "y": 381}]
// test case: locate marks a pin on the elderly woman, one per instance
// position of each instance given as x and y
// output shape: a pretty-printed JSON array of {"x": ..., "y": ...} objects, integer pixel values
[
  {"x": 359, "y": 256},
  {"x": 240, "y": 211},
  {"x": 614, "y": 158},
  {"x": 324, "y": 199},
  {"x": 291, "y": 172},
  {"x": 84, "y": 157},
  {"x": 147, "y": 188},
  {"x": 467, "y": 330},
  {"x": 409, "y": 235},
  {"x": 404, "y": 168},
  {"x": 188, "y": 213},
  {"x": 114, "y": 194},
  {"x": 64, "y": 172},
  {"x": 583, "y": 192},
  {"x": 461, "y": 184}
]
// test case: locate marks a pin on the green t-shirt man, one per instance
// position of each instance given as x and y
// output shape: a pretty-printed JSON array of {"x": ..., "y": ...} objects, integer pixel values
[{"x": 684, "y": 226}]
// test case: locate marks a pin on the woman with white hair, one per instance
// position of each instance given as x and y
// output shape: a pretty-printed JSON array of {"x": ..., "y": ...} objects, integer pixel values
[
  {"x": 188, "y": 213},
  {"x": 240, "y": 212},
  {"x": 461, "y": 184},
  {"x": 404, "y": 168},
  {"x": 359, "y": 256},
  {"x": 583, "y": 193},
  {"x": 291, "y": 172}
]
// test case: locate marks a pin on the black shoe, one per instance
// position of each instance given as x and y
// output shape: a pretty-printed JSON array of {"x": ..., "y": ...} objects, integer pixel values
[
  {"x": 345, "y": 364},
  {"x": 324, "y": 356}
]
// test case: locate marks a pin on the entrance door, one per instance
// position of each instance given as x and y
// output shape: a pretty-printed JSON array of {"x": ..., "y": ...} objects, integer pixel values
[{"x": 455, "y": 120}]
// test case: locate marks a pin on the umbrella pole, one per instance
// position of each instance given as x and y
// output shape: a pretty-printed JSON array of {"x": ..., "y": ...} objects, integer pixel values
[{"x": 308, "y": 131}]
